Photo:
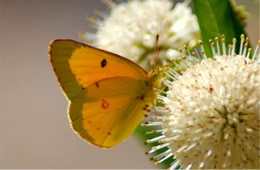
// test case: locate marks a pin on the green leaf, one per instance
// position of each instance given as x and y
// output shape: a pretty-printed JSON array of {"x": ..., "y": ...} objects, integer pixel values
[{"x": 216, "y": 18}]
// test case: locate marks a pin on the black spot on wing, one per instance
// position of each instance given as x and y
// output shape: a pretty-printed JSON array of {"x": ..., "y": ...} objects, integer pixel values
[{"x": 103, "y": 63}]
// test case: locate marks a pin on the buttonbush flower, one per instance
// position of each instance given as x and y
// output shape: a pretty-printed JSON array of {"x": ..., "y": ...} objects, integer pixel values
[
  {"x": 131, "y": 27},
  {"x": 210, "y": 116}
]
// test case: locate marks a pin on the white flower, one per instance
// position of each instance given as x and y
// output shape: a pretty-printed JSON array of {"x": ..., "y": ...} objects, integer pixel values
[
  {"x": 211, "y": 113},
  {"x": 131, "y": 28}
]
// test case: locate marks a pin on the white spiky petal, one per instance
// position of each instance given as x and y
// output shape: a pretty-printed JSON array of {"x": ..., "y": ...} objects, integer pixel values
[
  {"x": 130, "y": 29},
  {"x": 211, "y": 113}
]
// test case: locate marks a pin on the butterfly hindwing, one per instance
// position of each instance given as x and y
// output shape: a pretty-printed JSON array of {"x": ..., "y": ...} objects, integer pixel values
[{"x": 108, "y": 113}]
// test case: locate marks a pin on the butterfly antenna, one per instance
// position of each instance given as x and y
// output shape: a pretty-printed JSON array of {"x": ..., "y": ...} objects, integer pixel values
[
  {"x": 155, "y": 58},
  {"x": 156, "y": 52}
]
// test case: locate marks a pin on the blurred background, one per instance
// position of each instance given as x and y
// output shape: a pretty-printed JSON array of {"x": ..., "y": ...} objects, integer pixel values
[{"x": 34, "y": 129}]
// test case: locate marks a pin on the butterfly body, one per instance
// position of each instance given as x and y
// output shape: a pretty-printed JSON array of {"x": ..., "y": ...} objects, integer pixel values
[{"x": 108, "y": 94}]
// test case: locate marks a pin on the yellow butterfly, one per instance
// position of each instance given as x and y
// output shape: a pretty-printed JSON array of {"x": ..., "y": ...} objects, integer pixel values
[{"x": 108, "y": 94}]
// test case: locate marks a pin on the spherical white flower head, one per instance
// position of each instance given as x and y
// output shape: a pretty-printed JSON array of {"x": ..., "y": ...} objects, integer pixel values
[
  {"x": 211, "y": 113},
  {"x": 131, "y": 28}
]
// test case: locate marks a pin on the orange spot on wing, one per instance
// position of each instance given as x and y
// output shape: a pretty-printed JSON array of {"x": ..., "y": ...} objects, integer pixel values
[{"x": 104, "y": 104}]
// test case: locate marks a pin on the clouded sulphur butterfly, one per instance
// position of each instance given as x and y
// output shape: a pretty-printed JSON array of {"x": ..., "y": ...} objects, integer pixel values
[{"x": 108, "y": 94}]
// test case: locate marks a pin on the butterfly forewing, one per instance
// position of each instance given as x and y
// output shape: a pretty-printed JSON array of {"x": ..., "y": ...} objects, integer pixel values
[{"x": 78, "y": 65}]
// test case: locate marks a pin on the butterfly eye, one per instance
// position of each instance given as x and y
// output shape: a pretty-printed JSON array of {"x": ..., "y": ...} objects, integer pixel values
[{"x": 147, "y": 83}]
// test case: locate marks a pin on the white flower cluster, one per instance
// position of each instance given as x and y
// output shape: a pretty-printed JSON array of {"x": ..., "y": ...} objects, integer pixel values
[
  {"x": 211, "y": 113},
  {"x": 131, "y": 28}
]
